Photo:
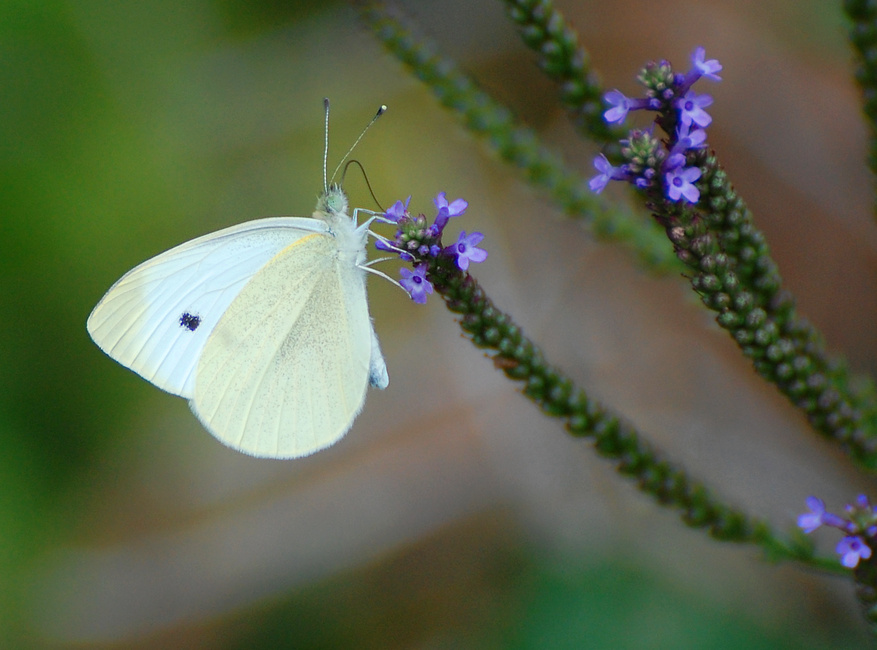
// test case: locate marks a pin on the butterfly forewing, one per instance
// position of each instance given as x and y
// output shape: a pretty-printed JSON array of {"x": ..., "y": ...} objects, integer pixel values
[
  {"x": 157, "y": 318},
  {"x": 285, "y": 371}
]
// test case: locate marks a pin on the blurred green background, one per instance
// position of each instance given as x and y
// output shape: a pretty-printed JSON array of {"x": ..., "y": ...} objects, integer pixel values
[{"x": 453, "y": 514}]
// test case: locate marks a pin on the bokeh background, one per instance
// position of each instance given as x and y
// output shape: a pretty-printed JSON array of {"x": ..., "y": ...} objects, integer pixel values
[{"x": 453, "y": 514}]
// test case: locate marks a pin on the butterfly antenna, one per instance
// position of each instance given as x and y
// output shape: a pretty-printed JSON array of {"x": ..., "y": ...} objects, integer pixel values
[
  {"x": 326, "y": 147},
  {"x": 365, "y": 176},
  {"x": 381, "y": 111}
]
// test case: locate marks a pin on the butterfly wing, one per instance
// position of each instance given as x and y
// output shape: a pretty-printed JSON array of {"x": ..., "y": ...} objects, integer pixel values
[
  {"x": 285, "y": 371},
  {"x": 377, "y": 372},
  {"x": 158, "y": 317}
]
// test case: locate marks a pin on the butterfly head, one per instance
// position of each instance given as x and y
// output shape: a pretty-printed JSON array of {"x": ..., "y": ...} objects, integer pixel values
[{"x": 332, "y": 202}]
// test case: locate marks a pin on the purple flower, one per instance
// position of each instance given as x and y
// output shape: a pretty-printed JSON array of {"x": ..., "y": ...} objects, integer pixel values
[
  {"x": 455, "y": 208},
  {"x": 441, "y": 220},
  {"x": 675, "y": 160},
  {"x": 607, "y": 173},
  {"x": 680, "y": 183},
  {"x": 445, "y": 212},
  {"x": 397, "y": 210},
  {"x": 382, "y": 246},
  {"x": 703, "y": 68},
  {"x": 686, "y": 138},
  {"x": 620, "y": 106},
  {"x": 415, "y": 283},
  {"x": 700, "y": 68},
  {"x": 812, "y": 520},
  {"x": 691, "y": 109},
  {"x": 852, "y": 549},
  {"x": 690, "y": 138},
  {"x": 466, "y": 249},
  {"x": 859, "y": 529}
]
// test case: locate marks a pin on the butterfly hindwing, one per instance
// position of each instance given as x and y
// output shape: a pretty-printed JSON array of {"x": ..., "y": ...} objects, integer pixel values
[
  {"x": 285, "y": 371},
  {"x": 377, "y": 372}
]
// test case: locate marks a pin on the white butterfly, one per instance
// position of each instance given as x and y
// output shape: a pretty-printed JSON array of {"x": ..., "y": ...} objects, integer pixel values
[{"x": 264, "y": 327}]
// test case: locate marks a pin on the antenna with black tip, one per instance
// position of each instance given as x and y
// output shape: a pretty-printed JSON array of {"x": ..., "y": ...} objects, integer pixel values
[{"x": 381, "y": 111}]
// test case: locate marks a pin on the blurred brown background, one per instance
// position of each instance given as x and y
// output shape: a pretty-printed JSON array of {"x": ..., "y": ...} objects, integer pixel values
[{"x": 453, "y": 514}]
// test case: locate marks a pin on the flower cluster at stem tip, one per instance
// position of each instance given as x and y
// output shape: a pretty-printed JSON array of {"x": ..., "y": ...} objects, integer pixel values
[
  {"x": 417, "y": 242},
  {"x": 649, "y": 162},
  {"x": 860, "y": 526}
]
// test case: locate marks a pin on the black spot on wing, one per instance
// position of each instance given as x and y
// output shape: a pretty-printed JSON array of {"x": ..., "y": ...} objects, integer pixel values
[{"x": 190, "y": 321}]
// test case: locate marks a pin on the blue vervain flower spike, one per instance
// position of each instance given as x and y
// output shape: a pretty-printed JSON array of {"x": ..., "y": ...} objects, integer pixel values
[
  {"x": 417, "y": 242},
  {"x": 713, "y": 233}
]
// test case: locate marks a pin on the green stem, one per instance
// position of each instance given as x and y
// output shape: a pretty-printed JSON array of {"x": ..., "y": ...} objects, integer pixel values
[
  {"x": 558, "y": 397},
  {"x": 863, "y": 38},
  {"x": 736, "y": 277},
  {"x": 562, "y": 59}
]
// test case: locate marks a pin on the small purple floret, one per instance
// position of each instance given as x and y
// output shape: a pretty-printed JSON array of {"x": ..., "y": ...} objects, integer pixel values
[
  {"x": 812, "y": 520},
  {"x": 455, "y": 208},
  {"x": 708, "y": 68},
  {"x": 674, "y": 161},
  {"x": 397, "y": 210},
  {"x": 466, "y": 249},
  {"x": 620, "y": 106},
  {"x": 686, "y": 139},
  {"x": 680, "y": 183},
  {"x": 415, "y": 283},
  {"x": 441, "y": 220},
  {"x": 852, "y": 549},
  {"x": 690, "y": 138},
  {"x": 607, "y": 173},
  {"x": 691, "y": 109}
]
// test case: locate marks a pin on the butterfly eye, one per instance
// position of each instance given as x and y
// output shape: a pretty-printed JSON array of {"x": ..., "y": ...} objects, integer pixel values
[{"x": 190, "y": 321}]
